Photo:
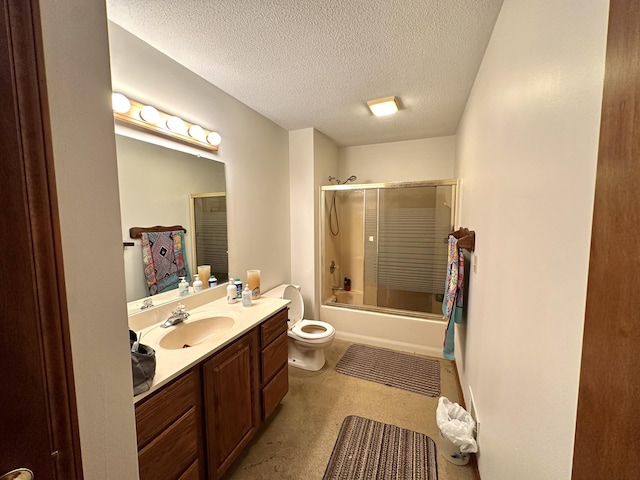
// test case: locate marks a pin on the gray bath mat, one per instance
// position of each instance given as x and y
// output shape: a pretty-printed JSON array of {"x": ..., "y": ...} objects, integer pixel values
[
  {"x": 366, "y": 450},
  {"x": 415, "y": 374}
]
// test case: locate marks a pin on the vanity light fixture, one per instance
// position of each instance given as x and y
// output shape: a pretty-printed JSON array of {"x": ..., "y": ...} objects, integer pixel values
[
  {"x": 149, "y": 114},
  {"x": 383, "y": 106},
  {"x": 214, "y": 139},
  {"x": 120, "y": 103},
  {"x": 149, "y": 118},
  {"x": 176, "y": 125},
  {"x": 196, "y": 131}
]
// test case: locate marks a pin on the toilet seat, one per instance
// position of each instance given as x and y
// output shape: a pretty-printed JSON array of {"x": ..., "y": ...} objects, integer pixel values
[{"x": 311, "y": 331}]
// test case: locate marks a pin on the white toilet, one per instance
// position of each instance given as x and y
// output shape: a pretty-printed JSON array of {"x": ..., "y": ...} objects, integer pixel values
[{"x": 307, "y": 338}]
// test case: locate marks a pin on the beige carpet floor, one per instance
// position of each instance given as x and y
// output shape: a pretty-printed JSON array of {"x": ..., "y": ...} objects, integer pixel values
[{"x": 297, "y": 441}]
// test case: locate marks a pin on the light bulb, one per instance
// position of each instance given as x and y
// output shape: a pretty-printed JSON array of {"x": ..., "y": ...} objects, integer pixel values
[
  {"x": 196, "y": 131},
  {"x": 175, "y": 124},
  {"x": 120, "y": 103},
  {"x": 149, "y": 114},
  {"x": 214, "y": 139}
]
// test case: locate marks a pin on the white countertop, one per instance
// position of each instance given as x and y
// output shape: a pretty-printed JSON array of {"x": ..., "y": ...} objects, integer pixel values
[{"x": 170, "y": 363}]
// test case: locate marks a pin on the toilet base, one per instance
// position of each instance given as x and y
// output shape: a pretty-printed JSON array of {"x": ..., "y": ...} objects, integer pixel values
[{"x": 311, "y": 359}]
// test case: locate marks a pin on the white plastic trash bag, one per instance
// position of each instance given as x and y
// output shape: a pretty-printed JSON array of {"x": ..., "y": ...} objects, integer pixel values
[{"x": 457, "y": 426}]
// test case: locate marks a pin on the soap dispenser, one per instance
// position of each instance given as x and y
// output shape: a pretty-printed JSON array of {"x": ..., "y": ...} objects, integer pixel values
[
  {"x": 197, "y": 283},
  {"x": 246, "y": 296},
  {"x": 183, "y": 287},
  {"x": 231, "y": 292}
]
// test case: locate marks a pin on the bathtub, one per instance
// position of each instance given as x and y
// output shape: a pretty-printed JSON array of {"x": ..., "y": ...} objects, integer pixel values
[
  {"x": 389, "y": 330},
  {"x": 352, "y": 297}
]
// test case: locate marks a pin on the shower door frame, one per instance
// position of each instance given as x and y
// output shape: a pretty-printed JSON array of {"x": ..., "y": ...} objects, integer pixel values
[
  {"x": 192, "y": 221},
  {"x": 454, "y": 183}
]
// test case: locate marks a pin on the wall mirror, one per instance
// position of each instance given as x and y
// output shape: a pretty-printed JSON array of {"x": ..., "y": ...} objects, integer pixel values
[{"x": 157, "y": 187}]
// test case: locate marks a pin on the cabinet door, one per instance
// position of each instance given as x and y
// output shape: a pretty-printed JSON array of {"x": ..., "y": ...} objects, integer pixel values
[{"x": 231, "y": 401}]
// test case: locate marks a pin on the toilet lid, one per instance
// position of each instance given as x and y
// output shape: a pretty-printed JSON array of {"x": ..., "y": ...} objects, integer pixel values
[{"x": 296, "y": 307}]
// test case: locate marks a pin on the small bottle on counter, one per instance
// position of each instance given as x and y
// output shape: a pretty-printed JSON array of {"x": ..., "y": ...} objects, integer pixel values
[
  {"x": 246, "y": 296},
  {"x": 212, "y": 281},
  {"x": 238, "y": 284},
  {"x": 183, "y": 287},
  {"x": 197, "y": 284},
  {"x": 231, "y": 292}
]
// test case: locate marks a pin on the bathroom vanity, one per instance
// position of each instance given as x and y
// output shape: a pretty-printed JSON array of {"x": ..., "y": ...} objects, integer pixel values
[{"x": 208, "y": 401}]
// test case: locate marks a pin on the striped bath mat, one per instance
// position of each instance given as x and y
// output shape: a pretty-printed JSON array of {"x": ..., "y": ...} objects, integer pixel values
[
  {"x": 408, "y": 372},
  {"x": 366, "y": 450}
]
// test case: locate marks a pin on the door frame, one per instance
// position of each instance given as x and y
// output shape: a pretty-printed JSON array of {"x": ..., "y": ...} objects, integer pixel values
[{"x": 41, "y": 272}]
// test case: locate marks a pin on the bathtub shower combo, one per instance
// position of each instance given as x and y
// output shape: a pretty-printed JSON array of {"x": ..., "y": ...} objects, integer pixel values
[{"x": 384, "y": 261}]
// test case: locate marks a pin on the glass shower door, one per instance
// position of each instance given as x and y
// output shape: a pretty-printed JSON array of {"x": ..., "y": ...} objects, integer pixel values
[
  {"x": 408, "y": 229},
  {"x": 391, "y": 245}
]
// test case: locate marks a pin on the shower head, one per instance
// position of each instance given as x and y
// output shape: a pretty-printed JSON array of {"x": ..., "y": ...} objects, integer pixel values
[{"x": 352, "y": 178}]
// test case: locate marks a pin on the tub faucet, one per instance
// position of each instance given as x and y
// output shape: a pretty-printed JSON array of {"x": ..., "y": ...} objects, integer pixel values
[{"x": 176, "y": 317}]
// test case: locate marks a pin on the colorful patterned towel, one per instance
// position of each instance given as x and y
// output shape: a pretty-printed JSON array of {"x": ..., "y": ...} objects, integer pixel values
[
  {"x": 452, "y": 304},
  {"x": 164, "y": 260}
]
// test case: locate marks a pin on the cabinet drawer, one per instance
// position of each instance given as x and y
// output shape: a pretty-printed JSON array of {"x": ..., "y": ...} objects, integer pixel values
[
  {"x": 164, "y": 407},
  {"x": 274, "y": 357},
  {"x": 173, "y": 451},
  {"x": 275, "y": 391},
  {"x": 272, "y": 328}
]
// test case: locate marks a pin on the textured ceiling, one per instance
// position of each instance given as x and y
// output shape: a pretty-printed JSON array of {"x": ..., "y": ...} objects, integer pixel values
[{"x": 314, "y": 63}]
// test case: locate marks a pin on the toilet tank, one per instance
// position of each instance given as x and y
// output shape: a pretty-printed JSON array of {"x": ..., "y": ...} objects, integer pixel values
[
  {"x": 296, "y": 307},
  {"x": 278, "y": 291}
]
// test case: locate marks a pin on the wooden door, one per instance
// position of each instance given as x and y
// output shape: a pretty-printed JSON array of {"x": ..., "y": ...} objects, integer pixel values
[
  {"x": 231, "y": 408},
  {"x": 37, "y": 402},
  {"x": 607, "y": 429}
]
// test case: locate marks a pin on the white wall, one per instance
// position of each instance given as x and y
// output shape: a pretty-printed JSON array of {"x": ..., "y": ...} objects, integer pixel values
[
  {"x": 254, "y": 149},
  {"x": 313, "y": 157},
  {"x": 79, "y": 88},
  {"x": 302, "y": 215},
  {"x": 407, "y": 161},
  {"x": 325, "y": 163},
  {"x": 526, "y": 157}
]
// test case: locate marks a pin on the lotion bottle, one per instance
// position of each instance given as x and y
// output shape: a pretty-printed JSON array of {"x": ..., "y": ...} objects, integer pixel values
[
  {"x": 231, "y": 293},
  {"x": 183, "y": 287},
  {"x": 197, "y": 284},
  {"x": 246, "y": 296}
]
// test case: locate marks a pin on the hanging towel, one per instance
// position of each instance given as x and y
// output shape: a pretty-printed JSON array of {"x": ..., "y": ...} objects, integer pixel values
[
  {"x": 163, "y": 258},
  {"x": 452, "y": 304}
]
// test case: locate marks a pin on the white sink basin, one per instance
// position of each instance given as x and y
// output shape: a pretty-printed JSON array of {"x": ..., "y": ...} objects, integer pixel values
[{"x": 196, "y": 332}]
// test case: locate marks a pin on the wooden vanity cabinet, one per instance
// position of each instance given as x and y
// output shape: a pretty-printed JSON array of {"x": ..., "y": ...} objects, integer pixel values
[
  {"x": 274, "y": 368},
  {"x": 230, "y": 395},
  {"x": 197, "y": 425},
  {"x": 169, "y": 429}
]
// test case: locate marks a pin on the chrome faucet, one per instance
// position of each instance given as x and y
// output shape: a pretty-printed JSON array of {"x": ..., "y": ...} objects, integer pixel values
[
  {"x": 176, "y": 317},
  {"x": 146, "y": 303}
]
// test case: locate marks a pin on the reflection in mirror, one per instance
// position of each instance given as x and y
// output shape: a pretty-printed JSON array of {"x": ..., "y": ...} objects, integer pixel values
[
  {"x": 209, "y": 227},
  {"x": 155, "y": 188}
]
